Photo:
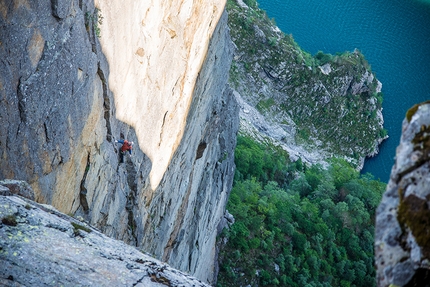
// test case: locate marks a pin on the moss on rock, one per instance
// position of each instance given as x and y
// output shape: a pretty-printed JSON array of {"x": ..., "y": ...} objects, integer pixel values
[
  {"x": 414, "y": 213},
  {"x": 411, "y": 112},
  {"x": 77, "y": 227},
  {"x": 9, "y": 220},
  {"x": 421, "y": 140}
]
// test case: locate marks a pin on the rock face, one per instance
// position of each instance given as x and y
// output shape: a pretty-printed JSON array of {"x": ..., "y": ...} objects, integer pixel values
[
  {"x": 22, "y": 188},
  {"x": 189, "y": 204},
  {"x": 402, "y": 239},
  {"x": 157, "y": 76},
  {"x": 40, "y": 246}
]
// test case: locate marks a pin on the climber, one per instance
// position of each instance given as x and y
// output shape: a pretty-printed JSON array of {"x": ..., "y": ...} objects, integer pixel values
[{"x": 126, "y": 146}]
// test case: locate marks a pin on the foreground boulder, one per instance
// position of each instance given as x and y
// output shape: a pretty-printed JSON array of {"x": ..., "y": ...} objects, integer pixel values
[
  {"x": 402, "y": 239},
  {"x": 40, "y": 246}
]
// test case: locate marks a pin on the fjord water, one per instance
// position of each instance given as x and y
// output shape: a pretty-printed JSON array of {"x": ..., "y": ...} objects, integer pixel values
[{"x": 393, "y": 35}]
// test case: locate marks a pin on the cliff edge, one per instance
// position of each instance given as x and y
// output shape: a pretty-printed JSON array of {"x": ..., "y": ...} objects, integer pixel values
[{"x": 402, "y": 238}]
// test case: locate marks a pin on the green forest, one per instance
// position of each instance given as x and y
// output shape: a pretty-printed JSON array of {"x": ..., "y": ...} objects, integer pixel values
[{"x": 298, "y": 225}]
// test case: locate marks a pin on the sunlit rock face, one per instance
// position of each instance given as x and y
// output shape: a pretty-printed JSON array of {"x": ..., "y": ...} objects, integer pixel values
[
  {"x": 402, "y": 238},
  {"x": 155, "y": 50},
  {"x": 183, "y": 215},
  {"x": 76, "y": 75}
]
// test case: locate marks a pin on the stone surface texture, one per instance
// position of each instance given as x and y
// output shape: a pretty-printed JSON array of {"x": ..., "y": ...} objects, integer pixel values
[
  {"x": 76, "y": 75},
  {"x": 17, "y": 187},
  {"x": 43, "y": 247},
  {"x": 402, "y": 238}
]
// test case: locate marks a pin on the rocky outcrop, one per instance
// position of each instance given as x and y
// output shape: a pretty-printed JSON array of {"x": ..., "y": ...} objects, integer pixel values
[
  {"x": 402, "y": 239},
  {"x": 40, "y": 246},
  {"x": 75, "y": 76},
  {"x": 315, "y": 107}
]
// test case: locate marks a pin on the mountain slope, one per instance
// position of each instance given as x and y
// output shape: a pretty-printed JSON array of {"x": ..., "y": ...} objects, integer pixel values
[{"x": 317, "y": 106}]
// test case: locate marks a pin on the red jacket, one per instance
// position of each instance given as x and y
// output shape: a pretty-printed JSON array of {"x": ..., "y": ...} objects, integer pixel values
[{"x": 126, "y": 146}]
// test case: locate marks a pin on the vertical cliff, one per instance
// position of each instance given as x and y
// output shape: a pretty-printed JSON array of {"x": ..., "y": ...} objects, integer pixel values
[
  {"x": 402, "y": 238},
  {"x": 77, "y": 75},
  {"x": 204, "y": 160}
]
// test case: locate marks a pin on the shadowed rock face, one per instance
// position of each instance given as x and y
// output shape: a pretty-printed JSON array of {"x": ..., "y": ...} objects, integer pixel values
[
  {"x": 402, "y": 239},
  {"x": 59, "y": 120},
  {"x": 40, "y": 246}
]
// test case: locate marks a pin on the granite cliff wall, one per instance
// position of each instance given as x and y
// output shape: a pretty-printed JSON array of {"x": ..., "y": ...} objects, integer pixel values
[
  {"x": 402, "y": 238},
  {"x": 158, "y": 76}
]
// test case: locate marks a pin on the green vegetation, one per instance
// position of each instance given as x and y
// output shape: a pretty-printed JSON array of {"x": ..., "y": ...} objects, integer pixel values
[
  {"x": 335, "y": 107},
  {"x": 10, "y": 220},
  {"x": 77, "y": 227},
  {"x": 322, "y": 59},
  {"x": 265, "y": 104},
  {"x": 297, "y": 225},
  {"x": 413, "y": 110},
  {"x": 95, "y": 19},
  {"x": 254, "y": 160}
]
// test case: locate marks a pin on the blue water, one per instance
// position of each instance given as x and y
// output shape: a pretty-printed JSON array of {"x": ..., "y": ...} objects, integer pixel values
[{"x": 394, "y": 36}]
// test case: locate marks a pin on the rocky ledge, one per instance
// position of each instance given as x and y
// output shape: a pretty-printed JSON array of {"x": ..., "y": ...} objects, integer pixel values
[
  {"x": 402, "y": 238},
  {"x": 40, "y": 246}
]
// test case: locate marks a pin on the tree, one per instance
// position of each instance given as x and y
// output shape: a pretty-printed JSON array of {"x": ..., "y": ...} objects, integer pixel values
[
  {"x": 314, "y": 223},
  {"x": 342, "y": 172},
  {"x": 301, "y": 185}
]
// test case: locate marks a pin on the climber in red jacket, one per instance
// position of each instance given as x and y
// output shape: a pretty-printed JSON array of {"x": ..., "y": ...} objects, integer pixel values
[{"x": 126, "y": 146}]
